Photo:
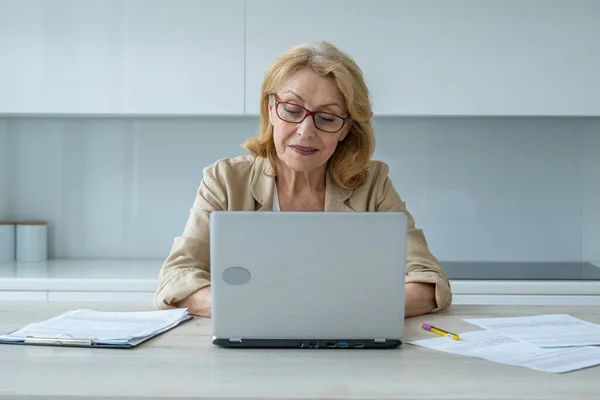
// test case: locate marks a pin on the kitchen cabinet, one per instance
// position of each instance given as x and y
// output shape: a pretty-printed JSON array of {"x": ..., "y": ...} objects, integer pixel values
[
  {"x": 148, "y": 297},
  {"x": 134, "y": 57},
  {"x": 23, "y": 295},
  {"x": 193, "y": 57},
  {"x": 142, "y": 297},
  {"x": 526, "y": 300},
  {"x": 183, "y": 57},
  {"x": 445, "y": 58}
]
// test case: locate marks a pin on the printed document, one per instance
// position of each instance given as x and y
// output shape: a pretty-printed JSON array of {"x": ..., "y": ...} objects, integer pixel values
[
  {"x": 493, "y": 346},
  {"x": 101, "y": 327},
  {"x": 550, "y": 330}
]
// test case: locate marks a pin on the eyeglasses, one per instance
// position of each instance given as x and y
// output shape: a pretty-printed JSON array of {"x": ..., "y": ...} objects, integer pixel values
[{"x": 295, "y": 114}]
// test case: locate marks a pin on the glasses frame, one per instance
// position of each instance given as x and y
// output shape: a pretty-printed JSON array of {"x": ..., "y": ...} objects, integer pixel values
[{"x": 309, "y": 113}]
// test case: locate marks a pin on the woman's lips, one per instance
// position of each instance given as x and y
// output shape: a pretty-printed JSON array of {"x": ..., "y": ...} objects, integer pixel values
[{"x": 303, "y": 150}]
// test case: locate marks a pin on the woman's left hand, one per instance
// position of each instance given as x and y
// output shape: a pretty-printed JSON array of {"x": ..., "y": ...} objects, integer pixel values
[{"x": 420, "y": 299}]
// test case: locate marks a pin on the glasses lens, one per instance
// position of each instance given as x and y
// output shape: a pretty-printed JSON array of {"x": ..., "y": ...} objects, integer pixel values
[
  {"x": 328, "y": 122},
  {"x": 290, "y": 112},
  {"x": 295, "y": 114}
]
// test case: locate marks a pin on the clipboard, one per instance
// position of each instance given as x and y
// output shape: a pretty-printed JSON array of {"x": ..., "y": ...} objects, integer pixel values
[{"x": 66, "y": 340}]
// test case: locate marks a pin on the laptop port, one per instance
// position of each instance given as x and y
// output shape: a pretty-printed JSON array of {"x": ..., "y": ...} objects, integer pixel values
[
  {"x": 330, "y": 344},
  {"x": 313, "y": 344},
  {"x": 359, "y": 345},
  {"x": 343, "y": 344},
  {"x": 300, "y": 344}
]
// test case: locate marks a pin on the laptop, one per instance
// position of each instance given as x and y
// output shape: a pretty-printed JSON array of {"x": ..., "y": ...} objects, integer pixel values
[{"x": 311, "y": 280}]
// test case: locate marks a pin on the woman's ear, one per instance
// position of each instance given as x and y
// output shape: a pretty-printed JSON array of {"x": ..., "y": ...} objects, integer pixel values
[
  {"x": 270, "y": 106},
  {"x": 345, "y": 131}
]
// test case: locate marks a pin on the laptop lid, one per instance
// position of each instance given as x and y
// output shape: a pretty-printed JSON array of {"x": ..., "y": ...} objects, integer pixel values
[{"x": 308, "y": 275}]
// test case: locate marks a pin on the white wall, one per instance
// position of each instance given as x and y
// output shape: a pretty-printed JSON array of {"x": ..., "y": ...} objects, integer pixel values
[
  {"x": 483, "y": 189},
  {"x": 491, "y": 189},
  {"x": 115, "y": 188},
  {"x": 5, "y": 172}
]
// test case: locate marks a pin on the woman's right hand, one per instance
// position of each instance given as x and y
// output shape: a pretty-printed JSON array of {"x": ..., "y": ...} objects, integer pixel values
[{"x": 198, "y": 303}]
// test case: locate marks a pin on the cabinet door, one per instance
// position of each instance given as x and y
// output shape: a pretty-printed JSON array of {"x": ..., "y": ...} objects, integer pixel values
[
  {"x": 525, "y": 300},
  {"x": 445, "y": 58},
  {"x": 142, "y": 297},
  {"x": 58, "y": 56},
  {"x": 22, "y": 295},
  {"x": 121, "y": 57},
  {"x": 182, "y": 57},
  {"x": 6, "y": 171}
]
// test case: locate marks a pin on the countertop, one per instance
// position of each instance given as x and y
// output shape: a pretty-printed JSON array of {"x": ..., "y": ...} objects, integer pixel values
[
  {"x": 81, "y": 275},
  {"x": 142, "y": 276},
  {"x": 183, "y": 363}
]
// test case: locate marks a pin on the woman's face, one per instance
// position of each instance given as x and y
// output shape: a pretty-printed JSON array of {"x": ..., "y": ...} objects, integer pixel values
[{"x": 302, "y": 146}]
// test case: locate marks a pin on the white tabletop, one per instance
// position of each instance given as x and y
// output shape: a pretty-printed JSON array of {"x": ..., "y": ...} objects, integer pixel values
[
  {"x": 142, "y": 276},
  {"x": 183, "y": 363}
]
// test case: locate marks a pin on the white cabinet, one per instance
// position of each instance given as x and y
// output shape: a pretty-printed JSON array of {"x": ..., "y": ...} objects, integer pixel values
[
  {"x": 58, "y": 57},
  {"x": 23, "y": 295},
  {"x": 122, "y": 57},
  {"x": 125, "y": 297},
  {"x": 526, "y": 300},
  {"x": 182, "y": 57},
  {"x": 445, "y": 58},
  {"x": 201, "y": 57}
]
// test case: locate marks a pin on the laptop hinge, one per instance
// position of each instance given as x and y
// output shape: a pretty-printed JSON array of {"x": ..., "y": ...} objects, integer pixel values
[
  {"x": 380, "y": 340},
  {"x": 235, "y": 340}
]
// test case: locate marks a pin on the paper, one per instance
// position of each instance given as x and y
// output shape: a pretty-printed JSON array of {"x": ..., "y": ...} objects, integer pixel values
[
  {"x": 493, "y": 346},
  {"x": 550, "y": 330},
  {"x": 101, "y": 327}
]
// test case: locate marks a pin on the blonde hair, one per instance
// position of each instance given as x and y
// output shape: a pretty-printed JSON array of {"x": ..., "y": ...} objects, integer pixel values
[{"x": 348, "y": 165}]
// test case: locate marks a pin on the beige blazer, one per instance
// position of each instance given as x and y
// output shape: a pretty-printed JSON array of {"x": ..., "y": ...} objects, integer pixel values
[{"x": 243, "y": 183}]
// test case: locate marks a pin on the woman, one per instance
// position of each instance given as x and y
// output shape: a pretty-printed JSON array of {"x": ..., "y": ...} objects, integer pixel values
[{"x": 313, "y": 152}]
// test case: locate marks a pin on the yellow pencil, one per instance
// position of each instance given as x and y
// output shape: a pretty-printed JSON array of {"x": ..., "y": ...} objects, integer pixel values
[{"x": 439, "y": 331}]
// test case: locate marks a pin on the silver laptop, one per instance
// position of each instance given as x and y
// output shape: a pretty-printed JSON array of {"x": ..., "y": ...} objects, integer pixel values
[{"x": 308, "y": 279}]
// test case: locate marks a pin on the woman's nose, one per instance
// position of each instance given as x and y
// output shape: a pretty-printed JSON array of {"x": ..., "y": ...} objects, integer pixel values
[{"x": 307, "y": 128}]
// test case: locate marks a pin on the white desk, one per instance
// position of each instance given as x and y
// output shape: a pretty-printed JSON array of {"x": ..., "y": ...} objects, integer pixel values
[{"x": 183, "y": 363}]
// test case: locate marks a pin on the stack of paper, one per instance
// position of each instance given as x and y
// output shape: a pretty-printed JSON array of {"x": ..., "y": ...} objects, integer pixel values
[
  {"x": 98, "y": 328},
  {"x": 550, "y": 343},
  {"x": 551, "y": 330}
]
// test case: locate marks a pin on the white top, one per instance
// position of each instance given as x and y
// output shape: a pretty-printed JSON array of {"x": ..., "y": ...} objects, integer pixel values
[{"x": 276, "y": 206}]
